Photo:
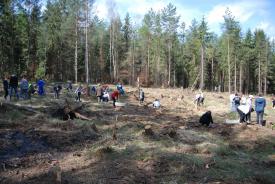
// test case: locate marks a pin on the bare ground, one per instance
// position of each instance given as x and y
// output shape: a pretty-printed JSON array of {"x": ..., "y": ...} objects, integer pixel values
[{"x": 178, "y": 151}]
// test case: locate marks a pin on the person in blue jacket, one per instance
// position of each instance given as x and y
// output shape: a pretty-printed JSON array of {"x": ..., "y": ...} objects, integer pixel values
[
  {"x": 119, "y": 87},
  {"x": 260, "y": 104},
  {"x": 41, "y": 84}
]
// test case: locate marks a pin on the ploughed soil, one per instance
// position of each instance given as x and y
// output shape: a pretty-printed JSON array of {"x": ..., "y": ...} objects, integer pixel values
[{"x": 134, "y": 143}]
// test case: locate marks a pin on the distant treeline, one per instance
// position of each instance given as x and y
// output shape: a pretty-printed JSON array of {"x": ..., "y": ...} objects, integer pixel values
[{"x": 64, "y": 40}]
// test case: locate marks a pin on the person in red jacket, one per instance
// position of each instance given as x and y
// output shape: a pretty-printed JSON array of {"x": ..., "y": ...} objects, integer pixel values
[{"x": 114, "y": 97}]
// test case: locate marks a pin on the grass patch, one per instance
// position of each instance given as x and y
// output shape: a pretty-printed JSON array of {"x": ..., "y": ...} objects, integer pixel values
[
  {"x": 13, "y": 115},
  {"x": 232, "y": 115},
  {"x": 222, "y": 150}
]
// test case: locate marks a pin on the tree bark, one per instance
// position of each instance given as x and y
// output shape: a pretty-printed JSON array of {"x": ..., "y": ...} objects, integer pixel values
[
  {"x": 202, "y": 68},
  {"x": 133, "y": 63},
  {"x": 229, "y": 66},
  {"x": 148, "y": 62},
  {"x": 240, "y": 79},
  {"x": 110, "y": 52},
  {"x": 259, "y": 74},
  {"x": 75, "y": 54},
  {"x": 86, "y": 43},
  {"x": 169, "y": 61},
  {"x": 266, "y": 70},
  {"x": 212, "y": 73},
  {"x": 235, "y": 74}
]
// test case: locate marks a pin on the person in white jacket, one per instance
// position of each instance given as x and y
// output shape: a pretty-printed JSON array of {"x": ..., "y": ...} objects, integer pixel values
[{"x": 249, "y": 103}]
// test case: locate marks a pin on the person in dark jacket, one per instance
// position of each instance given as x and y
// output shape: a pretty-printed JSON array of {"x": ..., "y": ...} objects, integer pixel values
[
  {"x": 141, "y": 96},
  {"x": 6, "y": 87},
  {"x": 13, "y": 86},
  {"x": 260, "y": 104},
  {"x": 206, "y": 118},
  {"x": 237, "y": 101},
  {"x": 57, "y": 88},
  {"x": 41, "y": 83}
]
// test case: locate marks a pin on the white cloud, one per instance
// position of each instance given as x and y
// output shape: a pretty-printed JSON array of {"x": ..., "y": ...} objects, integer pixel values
[
  {"x": 243, "y": 11},
  {"x": 268, "y": 28},
  {"x": 101, "y": 10}
]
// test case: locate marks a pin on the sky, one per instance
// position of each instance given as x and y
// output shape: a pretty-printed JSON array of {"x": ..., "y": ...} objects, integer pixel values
[{"x": 253, "y": 14}]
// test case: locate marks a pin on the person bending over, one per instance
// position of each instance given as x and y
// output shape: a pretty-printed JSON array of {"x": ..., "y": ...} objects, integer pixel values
[{"x": 206, "y": 118}]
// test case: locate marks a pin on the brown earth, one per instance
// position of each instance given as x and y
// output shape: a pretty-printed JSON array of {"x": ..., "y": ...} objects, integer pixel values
[{"x": 179, "y": 149}]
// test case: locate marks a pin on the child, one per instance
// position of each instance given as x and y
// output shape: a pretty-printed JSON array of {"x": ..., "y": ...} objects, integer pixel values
[
  {"x": 249, "y": 104},
  {"x": 105, "y": 97},
  {"x": 24, "y": 86},
  {"x": 114, "y": 96},
  {"x": 13, "y": 85},
  {"x": 206, "y": 118},
  {"x": 273, "y": 102},
  {"x": 141, "y": 96},
  {"x": 120, "y": 88},
  {"x": 99, "y": 93},
  {"x": 156, "y": 104},
  {"x": 236, "y": 101},
  {"x": 57, "y": 88},
  {"x": 69, "y": 86},
  {"x": 78, "y": 92},
  {"x": 199, "y": 99},
  {"x": 31, "y": 90}
]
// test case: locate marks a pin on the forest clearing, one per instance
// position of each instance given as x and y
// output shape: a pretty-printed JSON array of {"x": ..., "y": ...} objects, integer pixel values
[
  {"x": 180, "y": 108},
  {"x": 178, "y": 149}
]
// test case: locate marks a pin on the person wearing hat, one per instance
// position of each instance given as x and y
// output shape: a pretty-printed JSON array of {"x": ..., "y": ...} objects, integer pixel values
[{"x": 249, "y": 104}]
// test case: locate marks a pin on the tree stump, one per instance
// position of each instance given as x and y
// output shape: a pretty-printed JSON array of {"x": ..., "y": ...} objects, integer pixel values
[
  {"x": 54, "y": 174},
  {"x": 114, "y": 132},
  {"x": 148, "y": 130}
]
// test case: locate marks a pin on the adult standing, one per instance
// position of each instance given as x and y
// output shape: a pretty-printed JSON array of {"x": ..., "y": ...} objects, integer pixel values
[
  {"x": 13, "y": 86},
  {"x": 24, "y": 86},
  {"x": 260, "y": 104},
  {"x": 41, "y": 84}
]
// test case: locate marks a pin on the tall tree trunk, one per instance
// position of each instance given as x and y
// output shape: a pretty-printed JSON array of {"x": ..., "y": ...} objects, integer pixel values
[
  {"x": 202, "y": 68},
  {"x": 229, "y": 66},
  {"x": 148, "y": 62},
  {"x": 169, "y": 62},
  {"x": 133, "y": 63},
  {"x": 86, "y": 43},
  {"x": 110, "y": 51},
  {"x": 266, "y": 70},
  {"x": 158, "y": 63},
  {"x": 235, "y": 74},
  {"x": 113, "y": 53},
  {"x": 76, "y": 53},
  {"x": 259, "y": 74},
  {"x": 241, "y": 79},
  {"x": 174, "y": 74},
  {"x": 212, "y": 73}
]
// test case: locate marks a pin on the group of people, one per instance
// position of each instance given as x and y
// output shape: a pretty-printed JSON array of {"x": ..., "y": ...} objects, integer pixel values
[
  {"x": 25, "y": 89},
  {"x": 244, "y": 107},
  {"x": 11, "y": 84}
]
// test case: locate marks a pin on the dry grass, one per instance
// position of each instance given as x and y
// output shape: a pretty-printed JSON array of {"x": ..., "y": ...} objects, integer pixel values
[{"x": 194, "y": 154}]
